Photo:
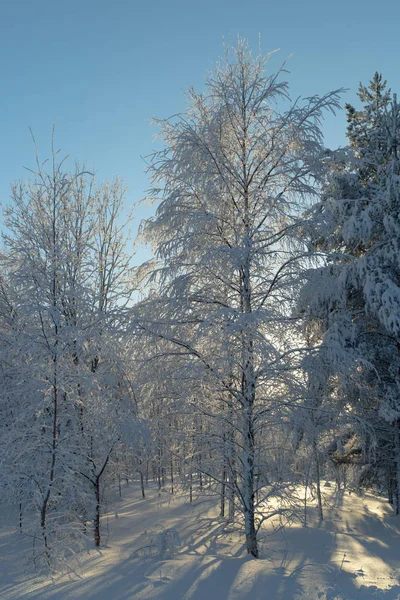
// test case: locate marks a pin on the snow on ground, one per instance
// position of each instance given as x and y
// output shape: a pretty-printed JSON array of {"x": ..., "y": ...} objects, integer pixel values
[{"x": 353, "y": 555}]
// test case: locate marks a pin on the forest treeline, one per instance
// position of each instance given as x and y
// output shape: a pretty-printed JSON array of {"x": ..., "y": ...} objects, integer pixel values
[{"x": 257, "y": 350}]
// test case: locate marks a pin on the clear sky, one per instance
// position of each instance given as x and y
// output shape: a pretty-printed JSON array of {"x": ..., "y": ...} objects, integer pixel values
[{"x": 100, "y": 69}]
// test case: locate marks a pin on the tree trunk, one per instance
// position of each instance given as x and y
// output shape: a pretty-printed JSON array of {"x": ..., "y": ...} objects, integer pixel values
[
  {"x": 98, "y": 501},
  {"x": 142, "y": 484},
  {"x": 46, "y": 498},
  {"x": 248, "y": 394},
  {"x": 159, "y": 469},
  {"x": 318, "y": 482},
  {"x": 251, "y": 536},
  {"x": 305, "y": 495},
  {"x": 390, "y": 477},
  {"x": 397, "y": 463},
  {"x": 97, "y": 513},
  {"x": 222, "y": 503},
  {"x": 231, "y": 463},
  {"x": 248, "y": 490},
  {"x": 248, "y": 376}
]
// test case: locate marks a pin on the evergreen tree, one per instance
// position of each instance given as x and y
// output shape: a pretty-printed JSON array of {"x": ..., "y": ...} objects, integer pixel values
[
  {"x": 363, "y": 125},
  {"x": 356, "y": 226}
]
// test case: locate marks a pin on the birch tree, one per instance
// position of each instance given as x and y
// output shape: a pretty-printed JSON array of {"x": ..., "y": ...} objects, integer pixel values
[
  {"x": 231, "y": 181},
  {"x": 67, "y": 400}
]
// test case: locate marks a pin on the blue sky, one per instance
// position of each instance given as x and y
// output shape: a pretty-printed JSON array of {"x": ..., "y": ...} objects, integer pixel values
[{"x": 101, "y": 69}]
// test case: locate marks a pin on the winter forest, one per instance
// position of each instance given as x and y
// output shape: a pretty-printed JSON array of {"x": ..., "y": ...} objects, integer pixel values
[{"x": 250, "y": 367}]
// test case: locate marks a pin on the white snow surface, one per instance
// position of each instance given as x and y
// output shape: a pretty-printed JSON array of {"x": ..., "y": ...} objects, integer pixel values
[{"x": 353, "y": 555}]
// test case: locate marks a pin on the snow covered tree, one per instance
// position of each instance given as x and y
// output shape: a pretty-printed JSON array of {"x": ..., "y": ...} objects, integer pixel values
[
  {"x": 357, "y": 226},
  {"x": 66, "y": 400},
  {"x": 363, "y": 124},
  {"x": 232, "y": 179}
]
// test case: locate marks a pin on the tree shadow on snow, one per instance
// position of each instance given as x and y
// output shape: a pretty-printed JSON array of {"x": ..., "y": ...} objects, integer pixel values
[{"x": 298, "y": 563}]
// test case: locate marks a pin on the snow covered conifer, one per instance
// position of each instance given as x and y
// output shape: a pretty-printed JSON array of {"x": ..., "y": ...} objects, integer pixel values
[
  {"x": 356, "y": 224},
  {"x": 363, "y": 124}
]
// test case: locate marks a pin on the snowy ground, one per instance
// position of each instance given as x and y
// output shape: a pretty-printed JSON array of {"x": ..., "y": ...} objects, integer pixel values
[{"x": 354, "y": 554}]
